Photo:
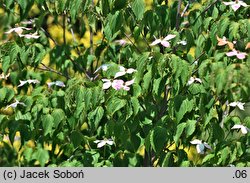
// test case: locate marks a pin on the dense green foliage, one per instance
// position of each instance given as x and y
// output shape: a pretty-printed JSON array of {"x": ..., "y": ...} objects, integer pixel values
[{"x": 185, "y": 87}]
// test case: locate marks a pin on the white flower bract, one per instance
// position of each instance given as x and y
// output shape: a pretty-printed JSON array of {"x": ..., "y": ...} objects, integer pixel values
[
  {"x": 235, "y": 5},
  {"x": 28, "y": 81},
  {"x": 57, "y": 83},
  {"x": 243, "y": 129},
  {"x": 164, "y": 42},
  {"x": 193, "y": 79},
  {"x": 200, "y": 147},
  {"x": 101, "y": 143},
  {"x": 14, "y": 105},
  {"x": 240, "y": 105}
]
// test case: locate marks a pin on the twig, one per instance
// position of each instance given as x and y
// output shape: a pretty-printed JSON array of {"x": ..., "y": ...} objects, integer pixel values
[
  {"x": 145, "y": 40},
  {"x": 91, "y": 32},
  {"x": 132, "y": 43},
  {"x": 64, "y": 28},
  {"x": 196, "y": 59},
  {"x": 178, "y": 15},
  {"x": 49, "y": 36},
  {"x": 185, "y": 9},
  {"x": 46, "y": 68},
  {"x": 205, "y": 10},
  {"x": 143, "y": 35}
]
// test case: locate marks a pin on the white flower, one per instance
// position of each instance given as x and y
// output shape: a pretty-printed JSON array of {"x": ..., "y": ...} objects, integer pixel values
[
  {"x": 236, "y": 4},
  {"x": 28, "y": 81},
  {"x": 28, "y": 22},
  {"x": 127, "y": 84},
  {"x": 193, "y": 79},
  {"x": 117, "y": 84},
  {"x": 14, "y": 105},
  {"x": 17, "y": 30},
  {"x": 3, "y": 76},
  {"x": 124, "y": 71},
  {"x": 238, "y": 54},
  {"x": 200, "y": 147},
  {"x": 240, "y": 105},
  {"x": 57, "y": 83},
  {"x": 104, "y": 67},
  {"x": 243, "y": 129},
  {"x": 182, "y": 43},
  {"x": 107, "y": 83},
  {"x": 164, "y": 42},
  {"x": 101, "y": 143},
  {"x": 30, "y": 36},
  {"x": 121, "y": 42}
]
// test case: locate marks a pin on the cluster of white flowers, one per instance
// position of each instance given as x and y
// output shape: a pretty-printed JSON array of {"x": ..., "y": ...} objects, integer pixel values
[
  {"x": 14, "y": 105},
  {"x": 200, "y": 146},
  {"x": 57, "y": 83},
  {"x": 19, "y": 32},
  {"x": 235, "y": 5},
  {"x": 118, "y": 84},
  {"x": 3, "y": 76},
  {"x": 194, "y": 79},
  {"x": 164, "y": 42},
  {"x": 223, "y": 41}
]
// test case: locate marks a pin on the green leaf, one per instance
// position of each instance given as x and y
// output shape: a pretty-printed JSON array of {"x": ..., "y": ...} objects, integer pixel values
[
  {"x": 158, "y": 139},
  {"x": 3, "y": 92},
  {"x": 115, "y": 104},
  {"x": 215, "y": 13},
  {"x": 233, "y": 30},
  {"x": 2, "y": 117},
  {"x": 186, "y": 106},
  {"x": 223, "y": 26},
  {"x": 58, "y": 116},
  {"x": 8, "y": 3},
  {"x": 147, "y": 80},
  {"x": 190, "y": 127},
  {"x": 135, "y": 104},
  {"x": 20, "y": 116},
  {"x": 24, "y": 56},
  {"x": 86, "y": 96},
  {"x": 6, "y": 64},
  {"x": 168, "y": 160},
  {"x": 95, "y": 117},
  {"x": 76, "y": 138},
  {"x": 179, "y": 131},
  {"x": 225, "y": 154},
  {"x": 23, "y": 4},
  {"x": 28, "y": 153},
  {"x": 138, "y": 7},
  {"x": 180, "y": 69},
  {"x": 6, "y": 94},
  {"x": 60, "y": 6},
  {"x": 120, "y": 4},
  {"x": 208, "y": 158},
  {"x": 47, "y": 123},
  {"x": 15, "y": 49},
  {"x": 74, "y": 9},
  {"x": 41, "y": 155},
  {"x": 217, "y": 133}
]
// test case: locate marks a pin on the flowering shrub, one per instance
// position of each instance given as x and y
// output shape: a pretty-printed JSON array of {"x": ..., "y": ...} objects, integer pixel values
[{"x": 165, "y": 84}]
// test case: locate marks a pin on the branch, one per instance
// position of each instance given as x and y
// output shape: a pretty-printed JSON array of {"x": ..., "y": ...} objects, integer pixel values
[
  {"x": 178, "y": 15},
  {"x": 46, "y": 68},
  {"x": 91, "y": 32},
  {"x": 49, "y": 36},
  {"x": 64, "y": 28},
  {"x": 132, "y": 43},
  {"x": 205, "y": 10}
]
